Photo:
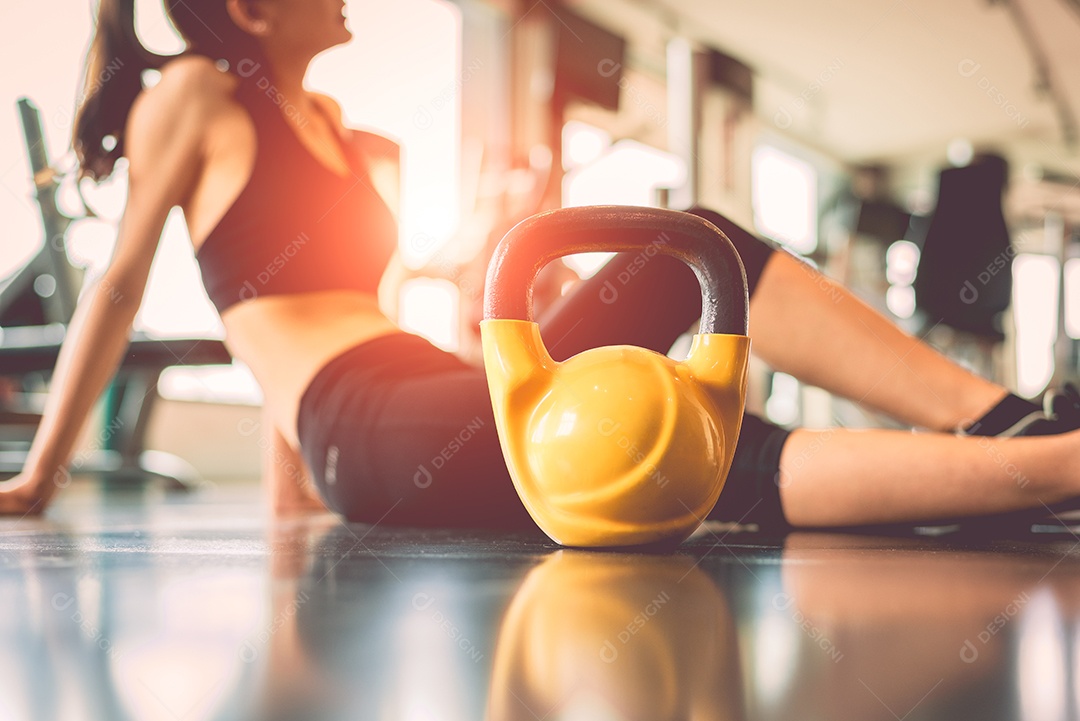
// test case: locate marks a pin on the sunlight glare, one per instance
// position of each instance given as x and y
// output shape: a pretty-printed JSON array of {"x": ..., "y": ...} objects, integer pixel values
[
  {"x": 401, "y": 75},
  {"x": 628, "y": 174},
  {"x": 429, "y": 307},
  {"x": 582, "y": 143}
]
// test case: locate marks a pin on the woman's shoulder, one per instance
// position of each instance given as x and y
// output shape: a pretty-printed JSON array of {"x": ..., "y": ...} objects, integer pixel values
[
  {"x": 177, "y": 114},
  {"x": 188, "y": 85}
]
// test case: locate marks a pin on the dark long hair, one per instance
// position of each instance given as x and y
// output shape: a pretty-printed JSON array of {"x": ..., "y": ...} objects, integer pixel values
[{"x": 117, "y": 60}]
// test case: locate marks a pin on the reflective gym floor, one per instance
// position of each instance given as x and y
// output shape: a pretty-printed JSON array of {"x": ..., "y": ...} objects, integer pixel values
[{"x": 193, "y": 606}]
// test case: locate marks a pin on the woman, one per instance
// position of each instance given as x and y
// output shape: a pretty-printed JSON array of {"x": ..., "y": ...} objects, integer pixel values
[{"x": 292, "y": 240}]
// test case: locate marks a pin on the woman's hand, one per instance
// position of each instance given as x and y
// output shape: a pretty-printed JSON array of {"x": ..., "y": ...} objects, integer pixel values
[{"x": 23, "y": 496}]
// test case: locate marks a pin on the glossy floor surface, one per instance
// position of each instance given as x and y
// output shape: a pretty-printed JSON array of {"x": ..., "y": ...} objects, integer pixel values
[{"x": 190, "y": 607}]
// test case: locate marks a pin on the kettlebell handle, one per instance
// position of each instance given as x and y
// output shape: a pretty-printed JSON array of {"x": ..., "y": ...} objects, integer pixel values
[{"x": 540, "y": 239}]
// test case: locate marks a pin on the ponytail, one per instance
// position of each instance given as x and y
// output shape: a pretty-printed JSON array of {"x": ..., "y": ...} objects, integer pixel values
[
  {"x": 116, "y": 62},
  {"x": 114, "y": 67}
]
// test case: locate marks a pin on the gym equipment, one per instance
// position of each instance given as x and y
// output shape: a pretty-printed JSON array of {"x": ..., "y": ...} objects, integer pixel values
[
  {"x": 964, "y": 278},
  {"x": 964, "y": 282},
  {"x": 619, "y": 445},
  {"x": 46, "y": 289}
]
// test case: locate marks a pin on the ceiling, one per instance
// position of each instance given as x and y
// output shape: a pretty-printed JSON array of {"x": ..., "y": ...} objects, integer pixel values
[{"x": 889, "y": 80}]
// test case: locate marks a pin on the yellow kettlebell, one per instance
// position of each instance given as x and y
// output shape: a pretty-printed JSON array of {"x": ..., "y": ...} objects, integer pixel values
[{"x": 618, "y": 445}]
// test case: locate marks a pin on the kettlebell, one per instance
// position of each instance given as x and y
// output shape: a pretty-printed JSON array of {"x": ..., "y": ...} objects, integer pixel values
[{"x": 618, "y": 445}]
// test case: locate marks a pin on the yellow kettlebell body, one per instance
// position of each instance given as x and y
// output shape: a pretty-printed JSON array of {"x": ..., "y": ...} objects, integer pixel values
[{"x": 617, "y": 445}]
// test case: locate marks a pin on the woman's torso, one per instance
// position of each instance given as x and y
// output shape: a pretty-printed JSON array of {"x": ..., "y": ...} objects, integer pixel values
[{"x": 285, "y": 339}]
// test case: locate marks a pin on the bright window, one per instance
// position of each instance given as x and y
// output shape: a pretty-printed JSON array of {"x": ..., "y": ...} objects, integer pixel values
[
  {"x": 599, "y": 173},
  {"x": 1072, "y": 297},
  {"x": 784, "y": 191},
  {"x": 1035, "y": 306}
]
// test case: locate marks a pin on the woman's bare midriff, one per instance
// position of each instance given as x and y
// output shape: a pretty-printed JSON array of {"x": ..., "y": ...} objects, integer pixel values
[{"x": 286, "y": 339}]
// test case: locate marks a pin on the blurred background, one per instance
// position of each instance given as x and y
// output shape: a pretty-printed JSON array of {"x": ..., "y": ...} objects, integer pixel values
[{"x": 923, "y": 153}]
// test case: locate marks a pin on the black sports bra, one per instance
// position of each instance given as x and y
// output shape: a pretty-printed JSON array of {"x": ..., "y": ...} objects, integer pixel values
[{"x": 297, "y": 226}]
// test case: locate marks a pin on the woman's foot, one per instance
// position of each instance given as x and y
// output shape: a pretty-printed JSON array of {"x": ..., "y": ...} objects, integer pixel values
[
  {"x": 1014, "y": 416},
  {"x": 1061, "y": 412},
  {"x": 292, "y": 497}
]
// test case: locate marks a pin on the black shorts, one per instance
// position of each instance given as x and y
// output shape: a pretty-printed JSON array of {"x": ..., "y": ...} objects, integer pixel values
[{"x": 399, "y": 432}]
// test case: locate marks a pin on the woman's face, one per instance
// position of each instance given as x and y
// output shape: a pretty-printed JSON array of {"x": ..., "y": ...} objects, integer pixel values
[{"x": 306, "y": 25}]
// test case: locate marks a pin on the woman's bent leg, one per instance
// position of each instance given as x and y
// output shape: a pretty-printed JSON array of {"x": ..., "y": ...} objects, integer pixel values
[{"x": 813, "y": 328}]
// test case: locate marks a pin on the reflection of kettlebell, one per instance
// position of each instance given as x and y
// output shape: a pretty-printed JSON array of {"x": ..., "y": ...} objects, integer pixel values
[
  {"x": 618, "y": 445},
  {"x": 616, "y": 636}
]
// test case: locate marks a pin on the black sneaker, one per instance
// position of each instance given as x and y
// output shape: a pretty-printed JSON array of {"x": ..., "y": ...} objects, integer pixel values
[{"x": 1060, "y": 414}]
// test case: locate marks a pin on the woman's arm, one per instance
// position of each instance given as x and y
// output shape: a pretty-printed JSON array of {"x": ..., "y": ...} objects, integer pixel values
[{"x": 163, "y": 144}]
